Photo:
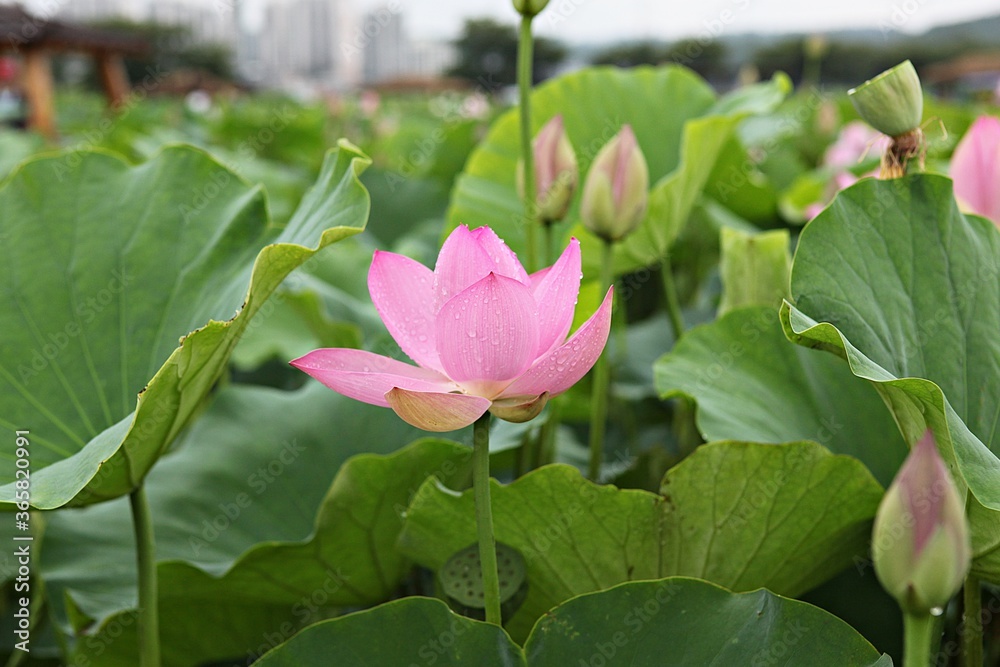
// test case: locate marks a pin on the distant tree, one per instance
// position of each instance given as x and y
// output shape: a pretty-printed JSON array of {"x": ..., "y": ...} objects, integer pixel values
[
  {"x": 631, "y": 55},
  {"x": 851, "y": 62},
  {"x": 487, "y": 54},
  {"x": 785, "y": 56},
  {"x": 172, "y": 47},
  {"x": 707, "y": 58}
]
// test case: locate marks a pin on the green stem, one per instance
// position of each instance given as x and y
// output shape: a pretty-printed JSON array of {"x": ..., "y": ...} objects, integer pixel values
[
  {"x": 673, "y": 302},
  {"x": 918, "y": 631},
  {"x": 484, "y": 517},
  {"x": 545, "y": 453},
  {"x": 548, "y": 256},
  {"x": 599, "y": 398},
  {"x": 972, "y": 627},
  {"x": 524, "y": 454},
  {"x": 524, "y": 69},
  {"x": 149, "y": 625}
]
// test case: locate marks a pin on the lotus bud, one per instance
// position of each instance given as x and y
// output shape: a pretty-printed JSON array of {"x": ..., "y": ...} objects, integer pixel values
[
  {"x": 556, "y": 173},
  {"x": 920, "y": 542},
  {"x": 892, "y": 102},
  {"x": 616, "y": 192},
  {"x": 529, "y": 8}
]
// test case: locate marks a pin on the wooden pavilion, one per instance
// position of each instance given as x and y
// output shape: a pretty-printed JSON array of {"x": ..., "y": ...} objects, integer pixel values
[{"x": 35, "y": 39}]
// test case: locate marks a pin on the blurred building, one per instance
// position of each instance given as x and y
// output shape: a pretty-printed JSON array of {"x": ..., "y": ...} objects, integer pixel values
[
  {"x": 388, "y": 52},
  {"x": 295, "y": 44},
  {"x": 298, "y": 42},
  {"x": 431, "y": 58},
  {"x": 385, "y": 46}
]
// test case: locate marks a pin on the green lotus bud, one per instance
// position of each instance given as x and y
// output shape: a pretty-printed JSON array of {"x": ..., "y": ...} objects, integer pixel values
[
  {"x": 529, "y": 8},
  {"x": 556, "y": 173},
  {"x": 892, "y": 102},
  {"x": 617, "y": 188},
  {"x": 920, "y": 541}
]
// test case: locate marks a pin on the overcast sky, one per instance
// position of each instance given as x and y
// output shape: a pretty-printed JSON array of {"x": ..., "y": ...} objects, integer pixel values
[
  {"x": 616, "y": 20},
  {"x": 605, "y": 20}
]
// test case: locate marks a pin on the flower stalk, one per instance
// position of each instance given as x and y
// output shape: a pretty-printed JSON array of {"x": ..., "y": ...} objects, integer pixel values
[
  {"x": 972, "y": 624},
  {"x": 525, "y": 59},
  {"x": 918, "y": 633},
  {"x": 672, "y": 300},
  {"x": 549, "y": 244},
  {"x": 599, "y": 397},
  {"x": 484, "y": 517},
  {"x": 148, "y": 624}
]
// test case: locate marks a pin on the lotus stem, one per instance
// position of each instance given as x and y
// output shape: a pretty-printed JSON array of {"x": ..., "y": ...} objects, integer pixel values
[
  {"x": 484, "y": 517},
  {"x": 546, "y": 451},
  {"x": 524, "y": 69},
  {"x": 550, "y": 244},
  {"x": 599, "y": 399},
  {"x": 673, "y": 302},
  {"x": 918, "y": 631},
  {"x": 145, "y": 547},
  {"x": 972, "y": 626}
]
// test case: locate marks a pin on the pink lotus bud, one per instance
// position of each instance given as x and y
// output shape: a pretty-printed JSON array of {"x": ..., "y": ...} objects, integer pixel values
[
  {"x": 920, "y": 542},
  {"x": 975, "y": 168},
  {"x": 556, "y": 173},
  {"x": 617, "y": 188}
]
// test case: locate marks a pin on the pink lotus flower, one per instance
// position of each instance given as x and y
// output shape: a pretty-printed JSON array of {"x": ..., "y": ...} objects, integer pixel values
[
  {"x": 975, "y": 168},
  {"x": 856, "y": 140},
  {"x": 485, "y": 335}
]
